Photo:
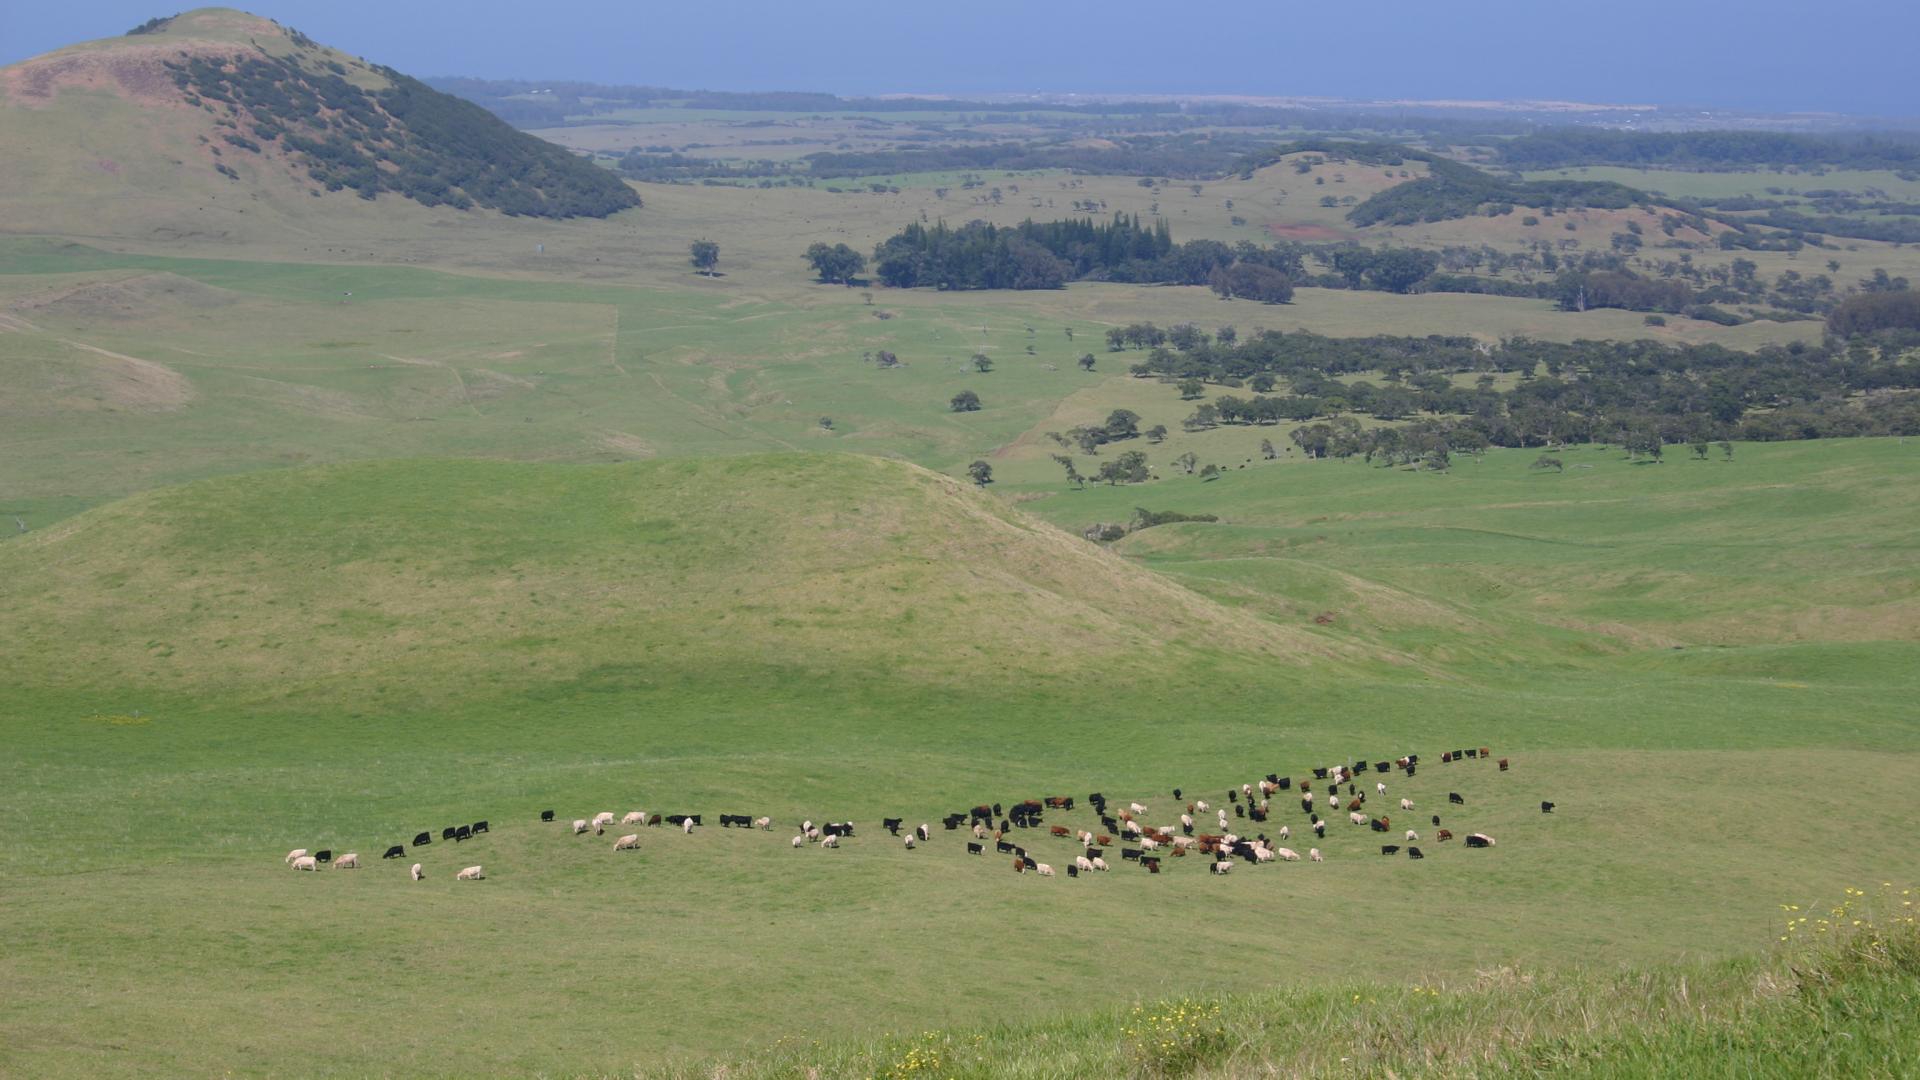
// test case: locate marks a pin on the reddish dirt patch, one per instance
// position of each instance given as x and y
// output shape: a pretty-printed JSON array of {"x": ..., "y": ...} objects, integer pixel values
[{"x": 1304, "y": 232}]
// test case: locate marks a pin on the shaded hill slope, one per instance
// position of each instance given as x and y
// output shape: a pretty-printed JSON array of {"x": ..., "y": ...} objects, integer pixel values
[{"x": 217, "y": 109}]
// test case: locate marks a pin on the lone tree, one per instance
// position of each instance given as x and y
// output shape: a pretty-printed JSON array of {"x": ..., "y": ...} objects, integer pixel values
[
  {"x": 1157, "y": 433},
  {"x": 981, "y": 362},
  {"x": 1086, "y": 362},
  {"x": 836, "y": 265},
  {"x": 965, "y": 401},
  {"x": 981, "y": 472},
  {"x": 704, "y": 255},
  {"x": 1073, "y": 474},
  {"x": 1191, "y": 389}
]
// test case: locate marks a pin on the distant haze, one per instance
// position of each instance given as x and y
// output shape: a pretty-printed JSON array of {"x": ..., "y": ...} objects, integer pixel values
[{"x": 1837, "y": 55}]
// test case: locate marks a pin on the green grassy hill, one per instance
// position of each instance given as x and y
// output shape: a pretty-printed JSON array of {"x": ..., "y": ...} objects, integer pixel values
[{"x": 440, "y": 576}]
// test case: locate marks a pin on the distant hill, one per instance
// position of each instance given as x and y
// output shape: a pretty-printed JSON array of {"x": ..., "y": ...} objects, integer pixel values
[
  {"x": 444, "y": 576},
  {"x": 216, "y": 104}
]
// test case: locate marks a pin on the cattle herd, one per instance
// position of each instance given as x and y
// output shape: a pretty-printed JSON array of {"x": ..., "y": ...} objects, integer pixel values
[{"x": 1010, "y": 828}]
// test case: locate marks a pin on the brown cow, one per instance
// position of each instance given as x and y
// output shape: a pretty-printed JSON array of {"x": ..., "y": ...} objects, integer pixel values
[
  {"x": 1445, "y": 835},
  {"x": 1019, "y": 865},
  {"x": 1058, "y": 830},
  {"x": 1103, "y": 840}
]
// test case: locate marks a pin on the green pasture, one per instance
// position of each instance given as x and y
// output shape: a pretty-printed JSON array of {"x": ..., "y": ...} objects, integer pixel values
[
  {"x": 340, "y": 657},
  {"x": 1688, "y": 184}
]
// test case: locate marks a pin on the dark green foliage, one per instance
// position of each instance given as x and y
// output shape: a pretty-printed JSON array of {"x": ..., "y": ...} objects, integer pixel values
[
  {"x": 964, "y": 401},
  {"x": 1869, "y": 312},
  {"x": 1618, "y": 289},
  {"x": 1252, "y": 281},
  {"x": 704, "y": 255},
  {"x": 1560, "y": 147},
  {"x": 980, "y": 473},
  {"x": 837, "y": 264},
  {"x": 1128, "y": 468},
  {"x": 1144, "y": 518},
  {"x": 158, "y": 22},
  {"x": 409, "y": 139}
]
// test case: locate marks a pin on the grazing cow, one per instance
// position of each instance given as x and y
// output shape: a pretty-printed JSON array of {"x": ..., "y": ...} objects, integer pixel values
[
  {"x": 1454, "y": 798},
  {"x": 479, "y": 827},
  {"x": 1058, "y": 830},
  {"x": 1436, "y": 820},
  {"x": 1131, "y": 827},
  {"x": 891, "y": 824},
  {"x": 1314, "y": 854},
  {"x": 1444, "y": 835},
  {"x": 1357, "y": 818},
  {"x": 1286, "y": 833},
  {"x": 1411, "y": 835},
  {"x": 979, "y": 831},
  {"x": 1503, "y": 764},
  {"x": 1379, "y": 824},
  {"x": 1152, "y": 865},
  {"x": 471, "y": 873},
  {"x": 1471, "y": 752},
  {"x": 1486, "y": 752},
  {"x": 323, "y": 855},
  {"x": 1381, "y": 788},
  {"x": 465, "y": 832},
  {"x": 546, "y": 815},
  {"x": 634, "y": 817},
  {"x": 1101, "y": 864},
  {"x": 1355, "y": 804},
  {"x": 1202, "y": 806},
  {"x": 1446, "y": 757},
  {"x": 1149, "y": 844},
  {"x": 1003, "y": 847},
  {"x": 1019, "y": 865},
  {"x": 604, "y": 817},
  {"x": 394, "y": 852},
  {"x": 305, "y": 862},
  {"x": 1083, "y": 863},
  {"x": 653, "y": 819},
  {"x": 1186, "y": 823},
  {"x": 1479, "y": 840},
  {"x": 1073, "y": 871},
  {"x": 1287, "y": 854},
  {"x": 1043, "y": 869},
  {"x": 1333, "y": 800},
  {"x": 840, "y": 828},
  {"x": 417, "y": 875},
  {"x": 976, "y": 849},
  {"x": 447, "y": 833},
  {"x": 1222, "y": 866},
  {"x": 1389, "y": 849},
  {"x": 1129, "y": 853},
  {"x": 1414, "y": 853},
  {"x": 1136, "y": 808},
  {"x": 1546, "y": 807},
  {"x": 764, "y": 824},
  {"x": 296, "y": 853},
  {"x": 349, "y": 861},
  {"x": 924, "y": 832},
  {"x": 1320, "y": 829},
  {"x": 831, "y": 840},
  {"x": 908, "y": 841},
  {"x": 629, "y": 842},
  {"x": 423, "y": 839},
  {"x": 800, "y": 841},
  {"x": 1031, "y": 865}
]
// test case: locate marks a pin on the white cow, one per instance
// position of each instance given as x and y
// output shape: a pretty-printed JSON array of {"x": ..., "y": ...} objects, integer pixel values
[
  {"x": 296, "y": 853},
  {"x": 637, "y": 817},
  {"x": 1043, "y": 869},
  {"x": 686, "y": 826},
  {"x": 1222, "y": 866},
  {"x": 349, "y": 861},
  {"x": 1099, "y": 863},
  {"x": 417, "y": 875},
  {"x": 764, "y": 824},
  {"x": 306, "y": 862},
  {"x": 1314, "y": 854},
  {"x": 1406, "y": 804},
  {"x": 471, "y": 873},
  {"x": 604, "y": 817},
  {"x": 1288, "y": 854},
  {"x": 631, "y": 841},
  {"x": 579, "y": 826}
]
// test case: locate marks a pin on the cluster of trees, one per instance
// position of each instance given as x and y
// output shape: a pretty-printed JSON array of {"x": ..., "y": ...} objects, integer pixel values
[
  {"x": 1563, "y": 392},
  {"x": 1578, "y": 291},
  {"x": 1876, "y": 311},
  {"x": 408, "y": 139},
  {"x": 1121, "y": 424},
  {"x": 1561, "y": 147},
  {"x": 835, "y": 264}
]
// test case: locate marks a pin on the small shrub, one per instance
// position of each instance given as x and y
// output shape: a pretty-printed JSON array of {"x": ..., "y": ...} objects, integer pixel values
[{"x": 1174, "y": 1038}]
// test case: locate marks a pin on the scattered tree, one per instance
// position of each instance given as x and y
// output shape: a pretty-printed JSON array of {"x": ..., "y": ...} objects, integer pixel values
[
  {"x": 1073, "y": 474},
  {"x": 981, "y": 473},
  {"x": 836, "y": 265},
  {"x": 1157, "y": 434},
  {"x": 704, "y": 255},
  {"x": 965, "y": 401},
  {"x": 1086, "y": 362},
  {"x": 982, "y": 363}
]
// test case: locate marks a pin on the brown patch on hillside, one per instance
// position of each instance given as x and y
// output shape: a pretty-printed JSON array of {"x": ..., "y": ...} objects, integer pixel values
[
  {"x": 1304, "y": 232},
  {"x": 133, "y": 72},
  {"x": 140, "y": 297}
]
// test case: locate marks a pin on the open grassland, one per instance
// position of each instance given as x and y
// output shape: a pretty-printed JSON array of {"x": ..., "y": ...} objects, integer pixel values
[
  {"x": 130, "y": 371},
  {"x": 1791, "y": 182},
  {"x": 368, "y": 651}
]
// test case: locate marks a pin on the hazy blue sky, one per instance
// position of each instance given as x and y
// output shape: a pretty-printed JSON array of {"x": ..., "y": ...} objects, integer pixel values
[{"x": 1848, "y": 55}]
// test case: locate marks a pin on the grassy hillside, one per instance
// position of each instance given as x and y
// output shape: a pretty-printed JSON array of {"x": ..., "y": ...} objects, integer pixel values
[
  {"x": 221, "y": 125},
  {"x": 650, "y": 636}
]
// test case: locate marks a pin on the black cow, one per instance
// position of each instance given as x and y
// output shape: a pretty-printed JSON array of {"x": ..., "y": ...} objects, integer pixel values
[
  {"x": 675, "y": 819},
  {"x": 976, "y": 849},
  {"x": 1005, "y": 825},
  {"x": 447, "y": 833},
  {"x": 837, "y": 828},
  {"x": 1319, "y": 774},
  {"x": 1257, "y": 814},
  {"x": 1471, "y": 752},
  {"x": 1072, "y": 870},
  {"x": 1389, "y": 849},
  {"x": 464, "y": 832},
  {"x": 1020, "y": 851},
  {"x": 1108, "y": 823},
  {"x": 1414, "y": 853},
  {"x": 1244, "y": 850},
  {"x": 1383, "y": 766},
  {"x": 996, "y": 810},
  {"x": 1454, "y": 798},
  {"x": 323, "y": 856},
  {"x": 1130, "y": 853},
  {"x": 1436, "y": 819},
  {"x": 1031, "y": 865},
  {"x": 1320, "y": 829},
  {"x": 1177, "y": 795},
  {"x": 892, "y": 825},
  {"x": 481, "y": 826},
  {"x": 1233, "y": 796},
  {"x": 1003, "y": 847},
  {"x": 423, "y": 840},
  {"x": 1546, "y": 807},
  {"x": 394, "y": 852},
  {"x": 1239, "y": 811},
  {"x": 1476, "y": 840},
  {"x": 546, "y": 815},
  {"x": 1285, "y": 782},
  {"x": 1377, "y": 825},
  {"x": 1409, "y": 770}
]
